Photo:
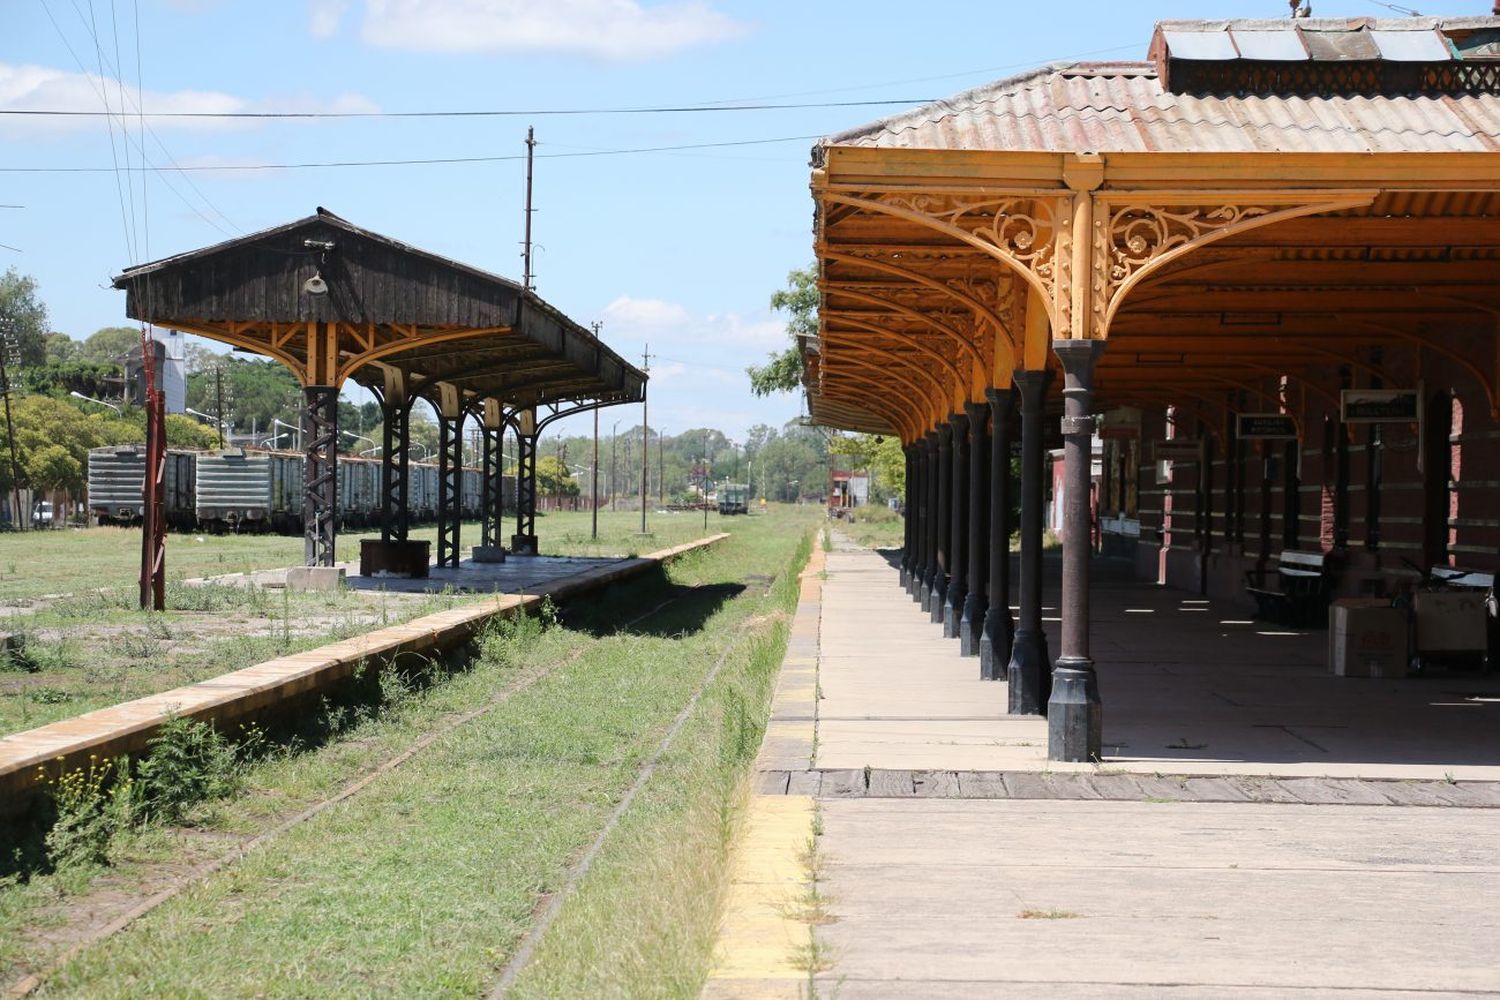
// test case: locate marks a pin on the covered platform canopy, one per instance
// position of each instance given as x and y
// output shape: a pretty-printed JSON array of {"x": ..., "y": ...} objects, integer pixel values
[
  {"x": 335, "y": 302},
  {"x": 1263, "y": 217}
]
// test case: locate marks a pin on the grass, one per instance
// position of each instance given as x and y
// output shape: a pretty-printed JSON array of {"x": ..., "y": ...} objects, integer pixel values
[
  {"x": 96, "y": 649},
  {"x": 423, "y": 883},
  {"x": 37, "y": 563}
]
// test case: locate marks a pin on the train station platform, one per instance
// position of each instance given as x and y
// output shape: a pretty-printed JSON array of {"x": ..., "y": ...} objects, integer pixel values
[
  {"x": 517, "y": 575},
  {"x": 1257, "y": 827},
  {"x": 28, "y": 758}
]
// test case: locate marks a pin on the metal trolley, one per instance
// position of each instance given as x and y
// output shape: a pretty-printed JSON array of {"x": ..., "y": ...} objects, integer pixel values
[{"x": 1454, "y": 618}]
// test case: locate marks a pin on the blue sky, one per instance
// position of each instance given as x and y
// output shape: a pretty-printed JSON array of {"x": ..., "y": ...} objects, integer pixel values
[{"x": 679, "y": 249}]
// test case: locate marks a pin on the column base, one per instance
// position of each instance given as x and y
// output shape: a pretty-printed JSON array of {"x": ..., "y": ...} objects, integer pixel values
[
  {"x": 971, "y": 625},
  {"x": 921, "y": 589},
  {"x": 1029, "y": 674},
  {"x": 1075, "y": 715},
  {"x": 953, "y": 610},
  {"x": 905, "y": 577},
  {"x": 935, "y": 598},
  {"x": 996, "y": 637},
  {"x": 523, "y": 545}
]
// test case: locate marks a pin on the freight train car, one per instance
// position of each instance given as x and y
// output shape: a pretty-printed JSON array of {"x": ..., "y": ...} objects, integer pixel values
[
  {"x": 116, "y": 474},
  {"x": 240, "y": 489}
]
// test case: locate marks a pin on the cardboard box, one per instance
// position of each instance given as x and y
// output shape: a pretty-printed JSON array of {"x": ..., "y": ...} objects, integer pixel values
[{"x": 1367, "y": 638}]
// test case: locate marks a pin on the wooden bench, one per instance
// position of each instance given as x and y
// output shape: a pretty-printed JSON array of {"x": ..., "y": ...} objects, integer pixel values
[{"x": 1301, "y": 589}]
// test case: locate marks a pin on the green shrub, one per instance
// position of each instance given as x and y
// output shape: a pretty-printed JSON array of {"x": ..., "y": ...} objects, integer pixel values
[
  {"x": 189, "y": 762},
  {"x": 90, "y": 806}
]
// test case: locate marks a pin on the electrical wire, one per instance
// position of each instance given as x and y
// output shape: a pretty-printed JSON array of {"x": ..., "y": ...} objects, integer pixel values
[
  {"x": 475, "y": 113},
  {"x": 160, "y": 174},
  {"x": 207, "y": 168}
]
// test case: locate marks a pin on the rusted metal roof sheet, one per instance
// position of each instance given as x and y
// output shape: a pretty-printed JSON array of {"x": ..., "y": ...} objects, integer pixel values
[{"x": 1122, "y": 107}]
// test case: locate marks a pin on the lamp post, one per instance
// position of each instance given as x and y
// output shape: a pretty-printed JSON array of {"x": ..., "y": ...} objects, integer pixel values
[
  {"x": 361, "y": 437},
  {"x": 296, "y": 430},
  {"x": 211, "y": 419},
  {"x": 90, "y": 399},
  {"x": 613, "y": 438}
]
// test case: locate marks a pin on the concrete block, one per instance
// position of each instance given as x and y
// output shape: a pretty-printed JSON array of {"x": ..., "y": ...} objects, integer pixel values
[
  {"x": 488, "y": 554},
  {"x": 315, "y": 578},
  {"x": 843, "y": 783},
  {"x": 891, "y": 784}
]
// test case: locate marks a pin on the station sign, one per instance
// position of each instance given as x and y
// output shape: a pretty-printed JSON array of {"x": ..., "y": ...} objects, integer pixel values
[
  {"x": 1265, "y": 427},
  {"x": 1180, "y": 450},
  {"x": 1380, "y": 406},
  {"x": 1123, "y": 423}
]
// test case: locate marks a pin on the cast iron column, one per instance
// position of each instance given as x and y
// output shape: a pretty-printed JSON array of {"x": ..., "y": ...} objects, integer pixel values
[
  {"x": 524, "y": 541},
  {"x": 450, "y": 486},
  {"x": 491, "y": 500},
  {"x": 906, "y": 453},
  {"x": 999, "y": 628},
  {"x": 320, "y": 435},
  {"x": 971, "y": 622},
  {"x": 929, "y": 519},
  {"x": 942, "y": 512},
  {"x": 958, "y": 530},
  {"x": 1075, "y": 717},
  {"x": 1029, "y": 673},
  {"x": 394, "y": 466}
]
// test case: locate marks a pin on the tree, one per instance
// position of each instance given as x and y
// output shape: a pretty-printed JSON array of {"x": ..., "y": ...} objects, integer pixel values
[
  {"x": 783, "y": 372},
  {"x": 23, "y": 317},
  {"x": 554, "y": 479},
  {"x": 184, "y": 431},
  {"x": 59, "y": 348},
  {"x": 53, "y": 470},
  {"x": 880, "y": 456},
  {"x": 109, "y": 344}
]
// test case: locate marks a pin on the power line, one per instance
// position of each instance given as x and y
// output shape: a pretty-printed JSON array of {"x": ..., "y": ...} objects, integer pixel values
[
  {"x": 140, "y": 147},
  {"x": 475, "y": 113},
  {"x": 207, "y": 168}
]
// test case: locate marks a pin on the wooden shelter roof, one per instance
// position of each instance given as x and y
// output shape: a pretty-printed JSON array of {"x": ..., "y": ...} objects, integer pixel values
[
  {"x": 389, "y": 308},
  {"x": 1253, "y": 220}
]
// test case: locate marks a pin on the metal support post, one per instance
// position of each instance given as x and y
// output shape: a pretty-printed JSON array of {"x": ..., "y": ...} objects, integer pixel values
[
  {"x": 1029, "y": 673},
  {"x": 492, "y": 488},
  {"x": 320, "y": 435},
  {"x": 971, "y": 621},
  {"x": 958, "y": 529},
  {"x": 928, "y": 568},
  {"x": 524, "y": 541},
  {"x": 999, "y": 630},
  {"x": 906, "y": 521},
  {"x": 1075, "y": 716},
  {"x": 914, "y": 496},
  {"x": 395, "y": 466},
  {"x": 942, "y": 513},
  {"x": 450, "y": 484}
]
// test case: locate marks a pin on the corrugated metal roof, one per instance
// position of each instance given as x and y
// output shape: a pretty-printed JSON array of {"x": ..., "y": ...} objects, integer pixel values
[{"x": 1122, "y": 107}]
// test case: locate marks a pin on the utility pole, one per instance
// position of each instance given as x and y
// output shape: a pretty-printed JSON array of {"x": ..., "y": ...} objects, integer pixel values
[
  {"x": 219, "y": 401},
  {"x": 153, "y": 507},
  {"x": 7, "y": 345},
  {"x": 661, "y": 469},
  {"x": 594, "y": 473},
  {"x": 526, "y": 246},
  {"x": 645, "y": 435},
  {"x": 708, "y": 475}
]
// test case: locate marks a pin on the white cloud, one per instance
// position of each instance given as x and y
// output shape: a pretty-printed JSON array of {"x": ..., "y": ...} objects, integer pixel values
[
  {"x": 662, "y": 322},
  {"x": 620, "y": 30},
  {"x": 44, "y": 88},
  {"x": 644, "y": 313},
  {"x": 48, "y": 89},
  {"x": 324, "y": 16}
]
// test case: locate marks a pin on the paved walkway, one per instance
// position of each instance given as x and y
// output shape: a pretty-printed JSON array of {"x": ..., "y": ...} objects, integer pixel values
[{"x": 908, "y": 839}]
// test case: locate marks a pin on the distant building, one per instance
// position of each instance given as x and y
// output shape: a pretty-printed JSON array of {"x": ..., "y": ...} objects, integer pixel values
[{"x": 171, "y": 371}]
